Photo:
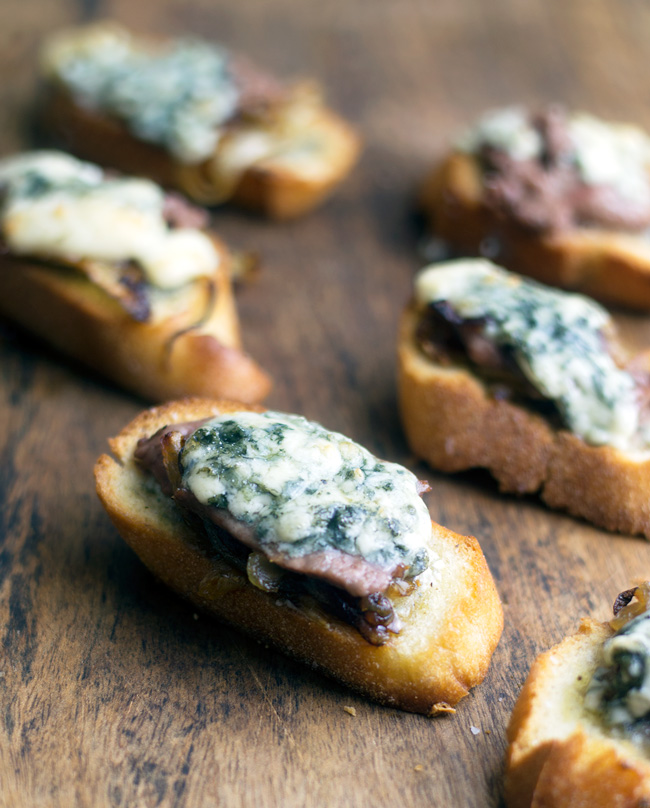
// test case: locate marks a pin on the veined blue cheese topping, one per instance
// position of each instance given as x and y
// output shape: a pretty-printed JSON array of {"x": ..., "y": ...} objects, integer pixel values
[
  {"x": 556, "y": 339},
  {"x": 305, "y": 489},
  {"x": 616, "y": 155},
  {"x": 177, "y": 95},
  {"x": 619, "y": 692},
  {"x": 53, "y": 206},
  {"x": 508, "y": 130}
]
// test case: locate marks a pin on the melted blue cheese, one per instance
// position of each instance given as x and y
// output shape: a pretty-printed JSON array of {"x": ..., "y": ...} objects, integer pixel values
[
  {"x": 556, "y": 339},
  {"x": 619, "y": 692},
  {"x": 177, "y": 95},
  {"x": 507, "y": 130},
  {"x": 304, "y": 489},
  {"x": 616, "y": 155},
  {"x": 53, "y": 206}
]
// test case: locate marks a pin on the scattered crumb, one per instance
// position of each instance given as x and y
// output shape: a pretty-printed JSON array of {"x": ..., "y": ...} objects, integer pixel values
[
  {"x": 488, "y": 731},
  {"x": 2, "y": 673},
  {"x": 441, "y": 707},
  {"x": 350, "y": 710},
  {"x": 195, "y": 616},
  {"x": 580, "y": 678},
  {"x": 418, "y": 768},
  {"x": 501, "y": 698},
  {"x": 475, "y": 730}
]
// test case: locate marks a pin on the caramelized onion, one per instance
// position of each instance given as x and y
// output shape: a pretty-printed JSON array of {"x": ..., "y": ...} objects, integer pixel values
[
  {"x": 262, "y": 573},
  {"x": 630, "y": 604}
]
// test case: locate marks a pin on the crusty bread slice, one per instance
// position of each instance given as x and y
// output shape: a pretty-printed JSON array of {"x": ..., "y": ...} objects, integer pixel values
[
  {"x": 189, "y": 346},
  {"x": 608, "y": 265},
  {"x": 559, "y": 756},
  {"x": 283, "y": 185},
  {"x": 451, "y": 622},
  {"x": 453, "y": 423}
]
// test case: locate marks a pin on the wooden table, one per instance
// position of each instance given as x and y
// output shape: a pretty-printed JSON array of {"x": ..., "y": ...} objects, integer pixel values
[{"x": 115, "y": 693}]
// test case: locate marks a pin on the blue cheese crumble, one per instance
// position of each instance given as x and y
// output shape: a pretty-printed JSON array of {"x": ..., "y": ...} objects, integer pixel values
[
  {"x": 304, "y": 489},
  {"x": 556, "y": 338},
  {"x": 176, "y": 95},
  {"x": 54, "y": 206},
  {"x": 619, "y": 692},
  {"x": 507, "y": 130}
]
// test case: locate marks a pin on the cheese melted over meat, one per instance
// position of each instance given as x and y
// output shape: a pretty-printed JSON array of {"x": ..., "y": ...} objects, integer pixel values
[
  {"x": 176, "y": 95},
  {"x": 604, "y": 153},
  {"x": 304, "y": 490},
  {"x": 53, "y": 206},
  {"x": 306, "y": 514},
  {"x": 550, "y": 170},
  {"x": 556, "y": 339}
]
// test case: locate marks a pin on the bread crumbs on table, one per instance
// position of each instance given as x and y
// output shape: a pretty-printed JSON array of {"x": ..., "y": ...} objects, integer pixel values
[
  {"x": 350, "y": 711},
  {"x": 418, "y": 768}
]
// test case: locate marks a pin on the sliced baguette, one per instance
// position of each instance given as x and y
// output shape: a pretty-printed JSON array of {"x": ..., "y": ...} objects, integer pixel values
[
  {"x": 451, "y": 622},
  {"x": 608, "y": 265},
  {"x": 281, "y": 165},
  {"x": 178, "y": 351},
  {"x": 453, "y": 423},
  {"x": 559, "y": 756}
]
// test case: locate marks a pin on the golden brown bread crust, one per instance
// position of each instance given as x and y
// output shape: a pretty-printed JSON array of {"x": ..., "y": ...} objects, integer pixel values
[
  {"x": 613, "y": 267},
  {"x": 453, "y": 423},
  {"x": 558, "y": 756},
  {"x": 268, "y": 187},
  {"x": 451, "y": 627},
  {"x": 177, "y": 352}
]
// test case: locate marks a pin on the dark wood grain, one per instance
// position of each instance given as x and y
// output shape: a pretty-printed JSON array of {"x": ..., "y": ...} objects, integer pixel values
[{"x": 113, "y": 692}]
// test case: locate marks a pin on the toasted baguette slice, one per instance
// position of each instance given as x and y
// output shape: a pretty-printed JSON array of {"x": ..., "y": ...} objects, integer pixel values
[
  {"x": 559, "y": 755},
  {"x": 281, "y": 167},
  {"x": 189, "y": 346},
  {"x": 611, "y": 266},
  {"x": 451, "y": 623},
  {"x": 453, "y": 423}
]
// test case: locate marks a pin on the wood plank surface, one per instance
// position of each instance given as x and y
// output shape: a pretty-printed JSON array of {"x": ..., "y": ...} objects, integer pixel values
[{"x": 115, "y": 693}]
